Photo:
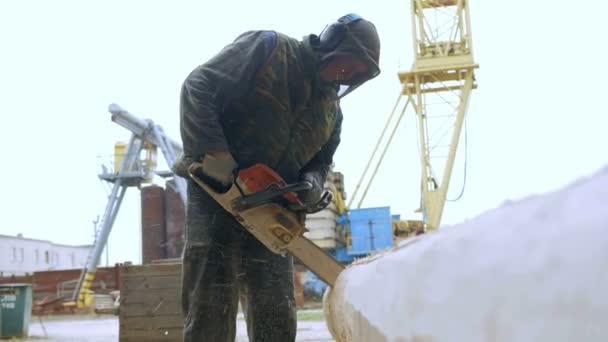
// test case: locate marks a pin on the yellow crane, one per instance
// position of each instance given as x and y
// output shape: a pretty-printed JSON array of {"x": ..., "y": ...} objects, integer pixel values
[{"x": 438, "y": 87}]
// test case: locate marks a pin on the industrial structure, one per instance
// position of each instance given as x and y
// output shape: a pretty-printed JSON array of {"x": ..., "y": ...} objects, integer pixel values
[
  {"x": 163, "y": 216},
  {"x": 135, "y": 164}
]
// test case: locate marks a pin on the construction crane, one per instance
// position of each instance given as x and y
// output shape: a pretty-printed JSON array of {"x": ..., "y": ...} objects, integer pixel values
[
  {"x": 131, "y": 170},
  {"x": 438, "y": 87}
]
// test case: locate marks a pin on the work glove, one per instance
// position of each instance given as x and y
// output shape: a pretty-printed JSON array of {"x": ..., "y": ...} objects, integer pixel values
[
  {"x": 311, "y": 197},
  {"x": 180, "y": 167},
  {"x": 219, "y": 167}
]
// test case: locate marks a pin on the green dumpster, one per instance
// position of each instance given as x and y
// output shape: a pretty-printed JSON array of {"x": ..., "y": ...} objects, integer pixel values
[{"x": 16, "y": 307}]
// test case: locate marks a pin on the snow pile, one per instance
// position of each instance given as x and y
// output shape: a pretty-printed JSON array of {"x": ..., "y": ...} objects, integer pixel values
[{"x": 531, "y": 270}]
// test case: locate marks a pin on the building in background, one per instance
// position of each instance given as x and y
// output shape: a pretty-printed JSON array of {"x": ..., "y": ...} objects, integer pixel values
[{"x": 19, "y": 255}]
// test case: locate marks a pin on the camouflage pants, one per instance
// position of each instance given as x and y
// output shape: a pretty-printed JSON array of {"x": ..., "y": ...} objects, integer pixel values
[{"x": 222, "y": 263}]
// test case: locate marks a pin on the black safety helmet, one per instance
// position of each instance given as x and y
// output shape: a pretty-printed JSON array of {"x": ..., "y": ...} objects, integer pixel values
[{"x": 353, "y": 36}]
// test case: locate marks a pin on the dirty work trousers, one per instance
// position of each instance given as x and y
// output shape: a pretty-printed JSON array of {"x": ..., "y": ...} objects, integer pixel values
[{"x": 222, "y": 263}]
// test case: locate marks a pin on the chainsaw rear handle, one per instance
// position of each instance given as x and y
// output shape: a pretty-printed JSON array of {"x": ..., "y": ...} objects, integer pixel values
[
  {"x": 266, "y": 196},
  {"x": 323, "y": 202},
  {"x": 273, "y": 192}
]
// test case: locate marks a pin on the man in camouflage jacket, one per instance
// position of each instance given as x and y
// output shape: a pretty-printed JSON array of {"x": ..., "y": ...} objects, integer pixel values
[{"x": 265, "y": 98}]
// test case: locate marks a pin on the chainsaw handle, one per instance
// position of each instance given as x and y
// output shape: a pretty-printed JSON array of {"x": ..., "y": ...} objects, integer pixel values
[
  {"x": 271, "y": 193},
  {"x": 323, "y": 202},
  {"x": 195, "y": 170}
]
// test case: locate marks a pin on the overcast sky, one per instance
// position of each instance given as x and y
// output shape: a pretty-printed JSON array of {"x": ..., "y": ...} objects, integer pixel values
[{"x": 536, "y": 122}]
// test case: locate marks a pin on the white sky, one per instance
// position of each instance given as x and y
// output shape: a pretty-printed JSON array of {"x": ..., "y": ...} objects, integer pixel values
[{"x": 537, "y": 121}]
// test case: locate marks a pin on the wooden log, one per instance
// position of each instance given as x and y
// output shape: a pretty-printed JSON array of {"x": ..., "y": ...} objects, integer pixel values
[{"x": 531, "y": 270}]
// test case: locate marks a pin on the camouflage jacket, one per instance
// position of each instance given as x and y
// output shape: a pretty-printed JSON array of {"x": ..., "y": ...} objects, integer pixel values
[{"x": 261, "y": 99}]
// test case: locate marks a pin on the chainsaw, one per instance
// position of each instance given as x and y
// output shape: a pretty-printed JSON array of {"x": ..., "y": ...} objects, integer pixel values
[{"x": 268, "y": 207}]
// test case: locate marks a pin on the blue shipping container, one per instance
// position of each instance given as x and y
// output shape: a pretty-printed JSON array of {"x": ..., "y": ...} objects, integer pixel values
[
  {"x": 370, "y": 230},
  {"x": 341, "y": 254},
  {"x": 314, "y": 286}
]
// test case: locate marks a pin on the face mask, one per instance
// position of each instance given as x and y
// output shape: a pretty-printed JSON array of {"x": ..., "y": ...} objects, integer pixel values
[
  {"x": 347, "y": 87},
  {"x": 344, "y": 89}
]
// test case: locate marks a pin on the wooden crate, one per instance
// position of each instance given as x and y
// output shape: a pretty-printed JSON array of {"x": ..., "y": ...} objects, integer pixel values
[{"x": 150, "y": 302}]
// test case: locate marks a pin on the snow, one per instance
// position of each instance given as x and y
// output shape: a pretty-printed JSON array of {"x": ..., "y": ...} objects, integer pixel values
[{"x": 530, "y": 270}]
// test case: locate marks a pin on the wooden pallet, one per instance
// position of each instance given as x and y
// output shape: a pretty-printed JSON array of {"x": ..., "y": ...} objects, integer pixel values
[{"x": 150, "y": 302}]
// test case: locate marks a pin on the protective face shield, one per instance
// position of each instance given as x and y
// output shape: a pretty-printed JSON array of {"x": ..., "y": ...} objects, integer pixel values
[{"x": 354, "y": 37}]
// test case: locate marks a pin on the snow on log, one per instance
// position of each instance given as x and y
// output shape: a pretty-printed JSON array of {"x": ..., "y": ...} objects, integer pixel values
[{"x": 531, "y": 270}]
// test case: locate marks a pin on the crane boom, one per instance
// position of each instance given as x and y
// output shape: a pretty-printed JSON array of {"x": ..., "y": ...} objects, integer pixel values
[{"x": 139, "y": 127}]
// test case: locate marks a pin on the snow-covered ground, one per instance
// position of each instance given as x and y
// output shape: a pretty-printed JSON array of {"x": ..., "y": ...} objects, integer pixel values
[{"x": 105, "y": 328}]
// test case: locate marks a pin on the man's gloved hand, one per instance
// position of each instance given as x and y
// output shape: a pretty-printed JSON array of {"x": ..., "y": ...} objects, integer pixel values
[
  {"x": 219, "y": 166},
  {"x": 181, "y": 165},
  {"x": 312, "y": 196}
]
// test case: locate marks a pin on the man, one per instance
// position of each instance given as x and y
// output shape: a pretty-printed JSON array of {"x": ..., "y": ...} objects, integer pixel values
[{"x": 265, "y": 98}]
